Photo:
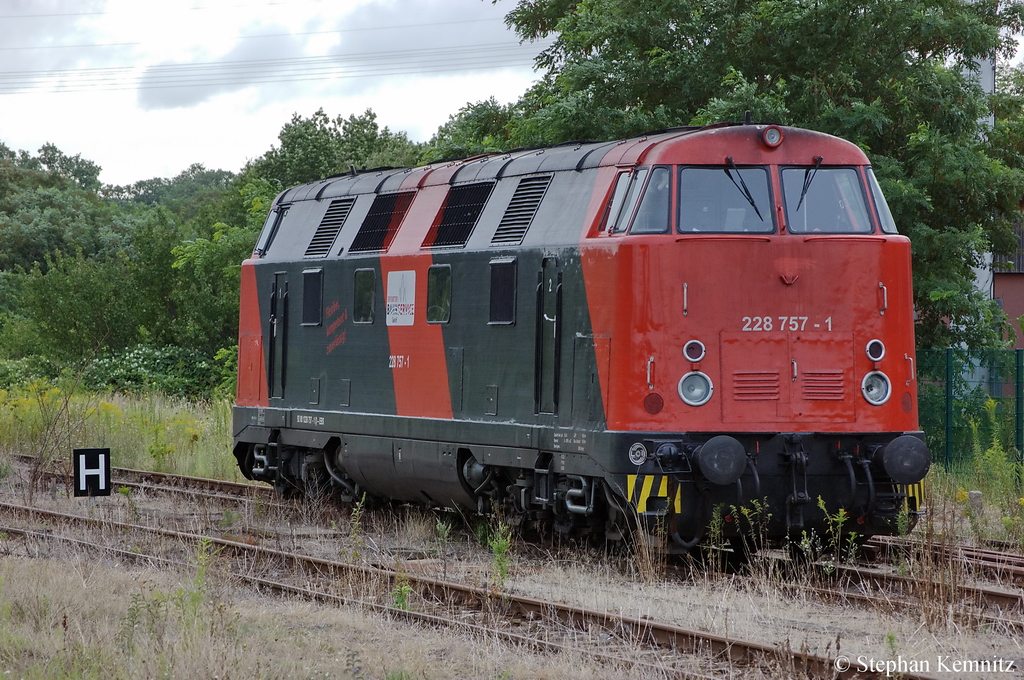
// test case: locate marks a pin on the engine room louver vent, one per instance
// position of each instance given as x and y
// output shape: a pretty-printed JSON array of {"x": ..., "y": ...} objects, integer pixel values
[
  {"x": 823, "y": 386},
  {"x": 520, "y": 211},
  {"x": 330, "y": 226},
  {"x": 457, "y": 217},
  {"x": 382, "y": 222},
  {"x": 755, "y": 385}
]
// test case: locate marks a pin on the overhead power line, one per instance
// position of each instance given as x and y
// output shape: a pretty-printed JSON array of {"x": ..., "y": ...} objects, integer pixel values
[
  {"x": 262, "y": 71},
  {"x": 256, "y": 36},
  {"x": 145, "y": 8}
]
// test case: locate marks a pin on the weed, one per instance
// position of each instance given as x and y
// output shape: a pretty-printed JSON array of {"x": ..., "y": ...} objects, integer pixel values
[
  {"x": 353, "y": 665},
  {"x": 126, "y": 492},
  {"x": 714, "y": 539},
  {"x": 444, "y": 535},
  {"x": 355, "y": 527},
  {"x": 890, "y": 642},
  {"x": 400, "y": 593},
  {"x": 228, "y": 519},
  {"x": 499, "y": 543}
]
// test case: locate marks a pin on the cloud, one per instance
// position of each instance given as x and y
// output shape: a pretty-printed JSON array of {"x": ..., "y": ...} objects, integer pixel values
[
  {"x": 40, "y": 42},
  {"x": 346, "y": 55},
  {"x": 427, "y": 37},
  {"x": 262, "y": 61}
]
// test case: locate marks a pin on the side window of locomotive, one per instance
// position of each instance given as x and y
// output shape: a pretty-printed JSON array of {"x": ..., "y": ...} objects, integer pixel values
[
  {"x": 503, "y": 291},
  {"x": 621, "y": 220},
  {"x": 362, "y": 304},
  {"x": 652, "y": 216},
  {"x": 312, "y": 296},
  {"x": 614, "y": 206},
  {"x": 725, "y": 200},
  {"x": 439, "y": 293},
  {"x": 270, "y": 228},
  {"x": 826, "y": 200},
  {"x": 884, "y": 215}
]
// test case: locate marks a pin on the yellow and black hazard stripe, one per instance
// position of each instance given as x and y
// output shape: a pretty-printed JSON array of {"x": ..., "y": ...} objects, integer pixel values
[
  {"x": 642, "y": 488},
  {"x": 915, "y": 496}
]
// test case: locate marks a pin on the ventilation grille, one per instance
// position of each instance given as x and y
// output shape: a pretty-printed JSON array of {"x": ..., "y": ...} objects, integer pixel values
[
  {"x": 755, "y": 385},
  {"x": 520, "y": 211},
  {"x": 456, "y": 219},
  {"x": 330, "y": 226},
  {"x": 822, "y": 385},
  {"x": 382, "y": 222}
]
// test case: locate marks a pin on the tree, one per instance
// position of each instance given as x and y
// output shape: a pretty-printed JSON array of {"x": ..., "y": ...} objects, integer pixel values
[
  {"x": 97, "y": 303},
  {"x": 893, "y": 76},
  {"x": 317, "y": 147},
  {"x": 50, "y": 203},
  {"x": 185, "y": 194},
  {"x": 475, "y": 129},
  {"x": 207, "y": 274}
]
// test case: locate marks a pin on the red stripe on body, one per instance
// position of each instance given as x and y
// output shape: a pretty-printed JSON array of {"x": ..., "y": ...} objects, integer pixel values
[
  {"x": 251, "y": 389},
  {"x": 417, "y": 352}
]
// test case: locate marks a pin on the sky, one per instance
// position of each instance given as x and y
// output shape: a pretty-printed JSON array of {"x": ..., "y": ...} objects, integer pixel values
[{"x": 147, "y": 89}]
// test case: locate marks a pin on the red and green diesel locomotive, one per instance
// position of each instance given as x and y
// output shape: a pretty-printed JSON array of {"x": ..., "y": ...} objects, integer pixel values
[{"x": 592, "y": 335}]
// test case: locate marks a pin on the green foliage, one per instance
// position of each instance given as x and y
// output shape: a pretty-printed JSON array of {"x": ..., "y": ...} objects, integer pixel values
[
  {"x": 80, "y": 305},
  {"x": 500, "y": 542},
  {"x": 184, "y": 195},
  {"x": 400, "y": 593},
  {"x": 171, "y": 370},
  {"x": 477, "y": 128},
  {"x": 890, "y": 75},
  {"x": 206, "y": 296},
  {"x": 319, "y": 146}
]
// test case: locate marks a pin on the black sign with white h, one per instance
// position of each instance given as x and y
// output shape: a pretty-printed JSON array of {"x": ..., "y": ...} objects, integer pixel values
[{"x": 92, "y": 472}]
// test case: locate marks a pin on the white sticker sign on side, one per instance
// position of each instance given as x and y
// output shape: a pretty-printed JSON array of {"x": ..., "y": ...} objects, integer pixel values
[{"x": 401, "y": 298}]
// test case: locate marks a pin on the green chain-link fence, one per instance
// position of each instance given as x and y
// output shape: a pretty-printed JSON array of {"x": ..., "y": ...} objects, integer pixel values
[{"x": 969, "y": 400}]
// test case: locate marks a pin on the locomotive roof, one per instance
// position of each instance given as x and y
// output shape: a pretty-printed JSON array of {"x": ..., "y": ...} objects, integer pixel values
[
  {"x": 561, "y": 157},
  {"x": 486, "y": 167}
]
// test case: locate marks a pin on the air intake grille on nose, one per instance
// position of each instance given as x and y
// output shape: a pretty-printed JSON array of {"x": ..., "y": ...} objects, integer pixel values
[
  {"x": 330, "y": 226},
  {"x": 520, "y": 211}
]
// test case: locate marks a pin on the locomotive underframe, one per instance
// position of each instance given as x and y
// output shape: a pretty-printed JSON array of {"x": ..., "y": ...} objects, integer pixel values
[{"x": 787, "y": 485}]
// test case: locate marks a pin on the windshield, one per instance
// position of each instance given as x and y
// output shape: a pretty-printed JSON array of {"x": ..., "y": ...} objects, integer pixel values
[
  {"x": 652, "y": 215},
  {"x": 825, "y": 200},
  {"x": 884, "y": 214},
  {"x": 724, "y": 200}
]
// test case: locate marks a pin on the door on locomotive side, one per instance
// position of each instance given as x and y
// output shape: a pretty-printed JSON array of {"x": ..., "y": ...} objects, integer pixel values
[
  {"x": 549, "y": 310},
  {"x": 277, "y": 333}
]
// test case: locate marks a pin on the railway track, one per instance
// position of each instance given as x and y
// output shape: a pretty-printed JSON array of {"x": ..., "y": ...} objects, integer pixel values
[
  {"x": 1003, "y": 567},
  {"x": 871, "y": 587},
  {"x": 447, "y": 604},
  {"x": 853, "y": 583}
]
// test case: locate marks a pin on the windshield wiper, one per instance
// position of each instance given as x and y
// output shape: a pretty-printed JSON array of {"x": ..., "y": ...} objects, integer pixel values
[
  {"x": 808, "y": 178},
  {"x": 742, "y": 186}
]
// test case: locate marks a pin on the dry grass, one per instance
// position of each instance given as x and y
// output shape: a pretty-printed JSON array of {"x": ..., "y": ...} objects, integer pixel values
[
  {"x": 78, "y": 617},
  {"x": 81, "y": 618},
  {"x": 149, "y": 432}
]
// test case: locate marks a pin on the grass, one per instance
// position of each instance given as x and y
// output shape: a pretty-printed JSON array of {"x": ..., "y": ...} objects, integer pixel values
[
  {"x": 151, "y": 432},
  {"x": 151, "y": 624}
]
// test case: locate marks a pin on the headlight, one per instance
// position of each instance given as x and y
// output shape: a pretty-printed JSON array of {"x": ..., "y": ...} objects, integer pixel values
[
  {"x": 694, "y": 351},
  {"x": 875, "y": 350},
  {"x": 772, "y": 136},
  {"x": 695, "y": 388},
  {"x": 876, "y": 388}
]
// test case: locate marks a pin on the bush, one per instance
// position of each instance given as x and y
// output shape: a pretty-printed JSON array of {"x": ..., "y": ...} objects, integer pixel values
[
  {"x": 15, "y": 372},
  {"x": 174, "y": 371}
]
